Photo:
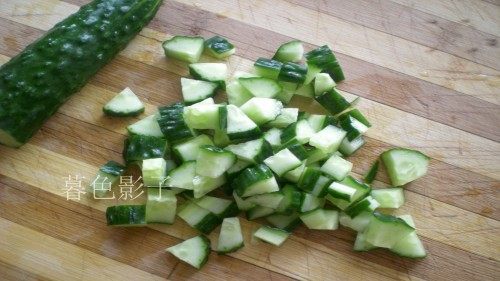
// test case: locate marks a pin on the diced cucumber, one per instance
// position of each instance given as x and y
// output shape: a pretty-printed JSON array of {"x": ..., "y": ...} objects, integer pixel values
[
  {"x": 312, "y": 70},
  {"x": 323, "y": 83},
  {"x": 316, "y": 155},
  {"x": 385, "y": 231},
  {"x": 389, "y": 197},
  {"x": 255, "y": 180},
  {"x": 239, "y": 126},
  {"x": 236, "y": 94},
  {"x": 237, "y": 168},
  {"x": 243, "y": 205},
  {"x": 286, "y": 222},
  {"x": 267, "y": 68},
  {"x": 221, "y": 138},
  {"x": 305, "y": 90},
  {"x": 203, "y": 184},
  {"x": 212, "y": 72},
  {"x": 290, "y": 51},
  {"x": 328, "y": 139},
  {"x": 347, "y": 147},
  {"x": 353, "y": 127},
  {"x": 126, "y": 215},
  {"x": 161, "y": 206},
  {"x": 230, "y": 237},
  {"x": 171, "y": 122},
  {"x": 321, "y": 219},
  {"x": 108, "y": 175},
  {"x": 182, "y": 176},
  {"x": 333, "y": 101},
  {"x": 294, "y": 175},
  {"x": 184, "y": 48},
  {"x": 213, "y": 161},
  {"x": 296, "y": 148},
  {"x": 273, "y": 137},
  {"x": 311, "y": 202},
  {"x": 361, "y": 245},
  {"x": 254, "y": 151},
  {"x": 362, "y": 190},
  {"x": 336, "y": 167},
  {"x": 367, "y": 204},
  {"x": 261, "y": 87},
  {"x": 199, "y": 218},
  {"x": 323, "y": 58},
  {"x": 259, "y": 212},
  {"x": 341, "y": 191},
  {"x": 408, "y": 219},
  {"x": 147, "y": 126},
  {"x": 138, "y": 148},
  {"x": 193, "y": 251},
  {"x": 292, "y": 199},
  {"x": 282, "y": 162},
  {"x": 357, "y": 223},
  {"x": 188, "y": 150},
  {"x": 154, "y": 171},
  {"x": 270, "y": 200},
  {"x": 293, "y": 72},
  {"x": 288, "y": 90},
  {"x": 203, "y": 116},
  {"x": 219, "y": 47},
  {"x": 223, "y": 208},
  {"x": 262, "y": 110},
  {"x": 320, "y": 188},
  {"x": 126, "y": 103},
  {"x": 308, "y": 179},
  {"x": 355, "y": 113},
  {"x": 287, "y": 116},
  {"x": 271, "y": 235},
  {"x": 317, "y": 122},
  {"x": 410, "y": 247},
  {"x": 404, "y": 165},
  {"x": 372, "y": 173},
  {"x": 194, "y": 91},
  {"x": 300, "y": 131}
]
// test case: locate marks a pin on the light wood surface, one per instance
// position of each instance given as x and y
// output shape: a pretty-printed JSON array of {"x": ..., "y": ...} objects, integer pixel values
[{"x": 428, "y": 73}]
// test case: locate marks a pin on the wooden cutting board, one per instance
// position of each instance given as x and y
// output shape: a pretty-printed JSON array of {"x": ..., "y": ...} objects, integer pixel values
[{"x": 428, "y": 73}]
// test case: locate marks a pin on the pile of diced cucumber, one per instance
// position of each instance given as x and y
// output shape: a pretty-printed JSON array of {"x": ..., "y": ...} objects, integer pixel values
[{"x": 253, "y": 155}]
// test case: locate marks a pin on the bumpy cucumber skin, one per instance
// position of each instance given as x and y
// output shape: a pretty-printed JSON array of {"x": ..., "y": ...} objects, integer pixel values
[
  {"x": 44, "y": 75},
  {"x": 208, "y": 223},
  {"x": 268, "y": 68},
  {"x": 293, "y": 72},
  {"x": 333, "y": 101},
  {"x": 217, "y": 46},
  {"x": 123, "y": 215},
  {"x": 172, "y": 124},
  {"x": 372, "y": 173},
  {"x": 112, "y": 168},
  {"x": 250, "y": 176},
  {"x": 324, "y": 58},
  {"x": 138, "y": 148}
]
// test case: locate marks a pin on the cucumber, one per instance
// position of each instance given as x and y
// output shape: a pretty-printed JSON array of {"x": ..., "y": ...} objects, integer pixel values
[
  {"x": 293, "y": 176},
  {"x": 184, "y": 48},
  {"x": 286, "y": 222},
  {"x": 267, "y": 68},
  {"x": 385, "y": 231},
  {"x": 321, "y": 219},
  {"x": 308, "y": 179},
  {"x": 238, "y": 126},
  {"x": 355, "y": 113},
  {"x": 259, "y": 212},
  {"x": 410, "y": 247},
  {"x": 203, "y": 184},
  {"x": 36, "y": 82},
  {"x": 230, "y": 237},
  {"x": 404, "y": 165},
  {"x": 199, "y": 218},
  {"x": 296, "y": 148},
  {"x": 333, "y": 101},
  {"x": 154, "y": 172},
  {"x": 161, "y": 206},
  {"x": 311, "y": 202},
  {"x": 254, "y": 151},
  {"x": 194, "y": 91},
  {"x": 287, "y": 116},
  {"x": 219, "y": 47},
  {"x": 347, "y": 147},
  {"x": 292, "y": 199},
  {"x": 328, "y": 139},
  {"x": 282, "y": 162},
  {"x": 357, "y": 223},
  {"x": 288, "y": 90},
  {"x": 213, "y": 161},
  {"x": 362, "y": 190},
  {"x": 316, "y": 155},
  {"x": 147, "y": 126},
  {"x": 289, "y": 51},
  {"x": 188, "y": 150},
  {"x": 353, "y": 127},
  {"x": 243, "y": 205},
  {"x": 126, "y": 215},
  {"x": 255, "y": 180},
  {"x": 337, "y": 167},
  {"x": 367, "y": 204},
  {"x": 320, "y": 188},
  {"x": 193, "y": 251},
  {"x": 341, "y": 191},
  {"x": 323, "y": 83},
  {"x": 312, "y": 70},
  {"x": 182, "y": 176},
  {"x": 262, "y": 110},
  {"x": 300, "y": 131},
  {"x": 221, "y": 138},
  {"x": 323, "y": 58},
  {"x": 372, "y": 173},
  {"x": 389, "y": 197},
  {"x": 274, "y": 236},
  {"x": 270, "y": 200},
  {"x": 138, "y": 148},
  {"x": 293, "y": 72},
  {"x": 273, "y": 137},
  {"x": 203, "y": 116},
  {"x": 222, "y": 208},
  {"x": 236, "y": 94},
  {"x": 126, "y": 103},
  {"x": 235, "y": 170},
  {"x": 361, "y": 245},
  {"x": 306, "y": 90},
  {"x": 317, "y": 121},
  {"x": 260, "y": 86},
  {"x": 108, "y": 175},
  {"x": 172, "y": 124},
  {"x": 212, "y": 72}
]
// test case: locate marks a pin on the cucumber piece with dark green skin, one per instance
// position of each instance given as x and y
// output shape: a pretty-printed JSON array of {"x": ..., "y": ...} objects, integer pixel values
[
  {"x": 35, "y": 83},
  {"x": 267, "y": 68},
  {"x": 293, "y": 72},
  {"x": 324, "y": 58},
  {"x": 219, "y": 47},
  {"x": 372, "y": 173},
  {"x": 138, "y": 148},
  {"x": 126, "y": 215},
  {"x": 172, "y": 124},
  {"x": 333, "y": 101}
]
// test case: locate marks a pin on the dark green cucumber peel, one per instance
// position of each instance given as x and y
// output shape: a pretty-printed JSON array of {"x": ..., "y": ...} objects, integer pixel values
[
  {"x": 333, "y": 101},
  {"x": 171, "y": 121},
  {"x": 218, "y": 45},
  {"x": 113, "y": 168},
  {"x": 36, "y": 82},
  {"x": 126, "y": 215},
  {"x": 372, "y": 173},
  {"x": 138, "y": 148},
  {"x": 292, "y": 72},
  {"x": 323, "y": 58}
]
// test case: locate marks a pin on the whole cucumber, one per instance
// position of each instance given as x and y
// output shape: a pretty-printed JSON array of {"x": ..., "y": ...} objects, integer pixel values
[{"x": 36, "y": 82}]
